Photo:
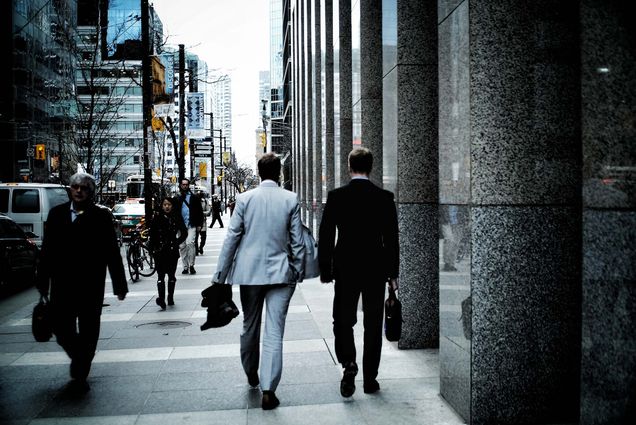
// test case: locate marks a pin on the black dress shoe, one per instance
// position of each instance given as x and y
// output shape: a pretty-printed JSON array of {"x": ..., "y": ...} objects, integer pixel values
[
  {"x": 252, "y": 380},
  {"x": 185, "y": 271},
  {"x": 78, "y": 387},
  {"x": 270, "y": 401},
  {"x": 348, "y": 383},
  {"x": 371, "y": 387},
  {"x": 192, "y": 271},
  {"x": 161, "y": 303}
]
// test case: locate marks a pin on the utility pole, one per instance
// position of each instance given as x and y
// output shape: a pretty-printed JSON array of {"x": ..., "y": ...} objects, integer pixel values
[
  {"x": 147, "y": 104},
  {"x": 181, "y": 158},
  {"x": 213, "y": 179}
]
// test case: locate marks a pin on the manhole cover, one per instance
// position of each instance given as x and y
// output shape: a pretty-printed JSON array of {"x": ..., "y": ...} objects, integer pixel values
[{"x": 166, "y": 324}]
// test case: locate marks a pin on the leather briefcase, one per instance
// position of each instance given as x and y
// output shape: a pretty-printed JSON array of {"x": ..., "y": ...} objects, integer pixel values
[{"x": 392, "y": 317}]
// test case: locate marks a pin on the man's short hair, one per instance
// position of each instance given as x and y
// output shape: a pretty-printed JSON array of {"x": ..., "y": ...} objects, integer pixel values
[
  {"x": 184, "y": 179},
  {"x": 360, "y": 160},
  {"x": 269, "y": 167},
  {"x": 84, "y": 179}
]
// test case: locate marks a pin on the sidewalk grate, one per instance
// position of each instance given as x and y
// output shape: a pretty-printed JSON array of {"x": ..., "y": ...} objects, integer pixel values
[{"x": 165, "y": 324}]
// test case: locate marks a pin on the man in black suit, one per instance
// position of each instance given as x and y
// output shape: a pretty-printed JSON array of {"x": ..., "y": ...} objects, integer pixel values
[
  {"x": 364, "y": 258},
  {"x": 78, "y": 245},
  {"x": 192, "y": 213}
]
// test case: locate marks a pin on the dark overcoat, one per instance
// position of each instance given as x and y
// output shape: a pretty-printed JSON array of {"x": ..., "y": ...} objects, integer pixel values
[{"x": 75, "y": 255}]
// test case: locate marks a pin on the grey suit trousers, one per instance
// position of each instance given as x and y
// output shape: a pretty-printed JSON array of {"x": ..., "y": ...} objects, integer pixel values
[{"x": 276, "y": 298}]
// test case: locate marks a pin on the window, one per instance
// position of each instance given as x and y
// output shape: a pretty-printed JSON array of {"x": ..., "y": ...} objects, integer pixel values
[
  {"x": 26, "y": 201},
  {"x": 4, "y": 200},
  {"x": 8, "y": 229},
  {"x": 56, "y": 196}
]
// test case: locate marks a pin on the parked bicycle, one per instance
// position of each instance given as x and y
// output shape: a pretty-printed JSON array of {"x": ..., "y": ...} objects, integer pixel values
[{"x": 138, "y": 256}]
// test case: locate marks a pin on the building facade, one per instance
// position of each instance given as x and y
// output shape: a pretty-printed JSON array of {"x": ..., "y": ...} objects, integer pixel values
[
  {"x": 37, "y": 87},
  {"x": 506, "y": 133}
]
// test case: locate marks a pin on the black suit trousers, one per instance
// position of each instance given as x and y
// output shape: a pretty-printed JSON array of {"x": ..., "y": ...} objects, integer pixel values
[
  {"x": 77, "y": 331},
  {"x": 345, "y": 306}
]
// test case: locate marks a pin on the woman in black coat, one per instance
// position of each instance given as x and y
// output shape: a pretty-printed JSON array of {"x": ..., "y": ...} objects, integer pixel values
[{"x": 167, "y": 232}]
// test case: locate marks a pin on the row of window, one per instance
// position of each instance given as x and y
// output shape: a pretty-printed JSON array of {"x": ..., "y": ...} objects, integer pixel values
[{"x": 107, "y": 90}]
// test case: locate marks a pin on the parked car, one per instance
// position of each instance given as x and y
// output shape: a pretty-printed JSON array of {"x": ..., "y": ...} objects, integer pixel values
[
  {"x": 18, "y": 254},
  {"x": 129, "y": 216},
  {"x": 28, "y": 204}
]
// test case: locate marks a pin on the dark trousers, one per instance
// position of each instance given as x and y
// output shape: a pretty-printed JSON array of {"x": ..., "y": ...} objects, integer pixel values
[
  {"x": 345, "y": 306},
  {"x": 77, "y": 332},
  {"x": 215, "y": 217},
  {"x": 166, "y": 264}
]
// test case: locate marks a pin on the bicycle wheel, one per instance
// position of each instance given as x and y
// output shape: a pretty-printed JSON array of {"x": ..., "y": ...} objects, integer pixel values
[
  {"x": 132, "y": 260},
  {"x": 146, "y": 262}
]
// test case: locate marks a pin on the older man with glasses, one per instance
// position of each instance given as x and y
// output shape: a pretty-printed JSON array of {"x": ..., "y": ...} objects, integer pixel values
[{"x": 78, "y": 245}]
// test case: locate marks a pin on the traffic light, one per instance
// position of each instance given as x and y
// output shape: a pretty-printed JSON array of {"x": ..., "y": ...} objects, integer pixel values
[
  {"x": 186, "y": 142},
  {"x": 264, "y": 139},
  {"x": 40, "y": 152},
  {"x": 219, "y": 180}
]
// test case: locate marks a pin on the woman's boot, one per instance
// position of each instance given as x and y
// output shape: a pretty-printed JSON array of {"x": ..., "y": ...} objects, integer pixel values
[
  {"x": 161, "y": 288},
  {"x": 171, "y": 285}
]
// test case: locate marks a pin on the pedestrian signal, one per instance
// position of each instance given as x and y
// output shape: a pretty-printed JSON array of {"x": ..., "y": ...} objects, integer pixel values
[{"x": 219, "y": 180}]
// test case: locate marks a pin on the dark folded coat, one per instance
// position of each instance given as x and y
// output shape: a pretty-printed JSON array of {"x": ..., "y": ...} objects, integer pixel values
[{"x": 221, "y": 309}]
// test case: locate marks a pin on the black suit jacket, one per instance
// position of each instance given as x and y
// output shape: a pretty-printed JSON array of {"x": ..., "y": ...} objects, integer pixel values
[
  {"x": 366, "y": 220},
  {"x": 75, "y": 256}
]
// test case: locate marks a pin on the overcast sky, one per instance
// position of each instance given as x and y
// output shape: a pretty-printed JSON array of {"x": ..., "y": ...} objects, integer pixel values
[{"x": 231, "y": 35}]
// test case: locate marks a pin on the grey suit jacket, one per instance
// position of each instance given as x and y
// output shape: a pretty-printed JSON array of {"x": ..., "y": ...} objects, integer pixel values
[{"x": 264, "y": 243}]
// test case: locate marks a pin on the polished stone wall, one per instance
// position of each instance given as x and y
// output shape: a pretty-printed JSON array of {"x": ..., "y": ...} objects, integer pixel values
[
  {"x": 410, "y": 157},
  {"x": 608, "y": 376},
  {"x": 510, "y": 193}
]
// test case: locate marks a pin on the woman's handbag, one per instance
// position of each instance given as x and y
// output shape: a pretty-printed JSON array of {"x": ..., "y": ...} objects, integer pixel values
[
  {"x": 392, "y": 317},
  {"x": 41, "y": 320}
]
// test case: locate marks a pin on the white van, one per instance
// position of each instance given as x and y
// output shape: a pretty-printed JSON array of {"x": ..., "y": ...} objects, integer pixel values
[{"x": 28, "y": 204}]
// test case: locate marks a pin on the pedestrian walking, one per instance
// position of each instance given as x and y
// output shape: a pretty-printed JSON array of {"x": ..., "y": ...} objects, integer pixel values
[
  {"x": 216, "y": 211},
  {"x": 192, "y": 214},
  {"x": 167, "y": 232},
  {"x": 78, "y": 246},
  {"x": 202, "y": 234},
  {"x": 364, "y": 258},
  {"x": 263, "y": 252}
]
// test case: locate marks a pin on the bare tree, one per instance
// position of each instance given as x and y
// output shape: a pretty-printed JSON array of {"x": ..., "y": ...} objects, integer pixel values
[
  {"x": 239, "y": 176},
  {"x": 105, "y": 135}
]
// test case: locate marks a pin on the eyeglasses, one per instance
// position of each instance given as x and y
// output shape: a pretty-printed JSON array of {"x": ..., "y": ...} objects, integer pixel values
[{"x": 80, "y": 187}]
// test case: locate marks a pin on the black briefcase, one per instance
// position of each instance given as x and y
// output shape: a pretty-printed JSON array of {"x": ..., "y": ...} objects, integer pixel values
[
  {"x": 392, "y": 317},
  {"x": 41, "y": 325}
]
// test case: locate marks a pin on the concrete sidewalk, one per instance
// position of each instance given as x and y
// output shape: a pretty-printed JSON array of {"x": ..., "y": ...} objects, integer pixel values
[{"x": 157, "y": 367}]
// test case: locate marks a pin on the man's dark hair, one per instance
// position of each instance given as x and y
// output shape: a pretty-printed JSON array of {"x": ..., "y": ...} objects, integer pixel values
[
  {"x": 184, "y": 179},
  {"x": 361, "y": 160},
  {"x": 269, "y": 167}
]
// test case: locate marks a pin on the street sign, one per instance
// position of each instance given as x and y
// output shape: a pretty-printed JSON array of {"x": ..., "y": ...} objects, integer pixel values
[
  {"x": 202, "y": 155},
  {"x": 219, "y": 167}
]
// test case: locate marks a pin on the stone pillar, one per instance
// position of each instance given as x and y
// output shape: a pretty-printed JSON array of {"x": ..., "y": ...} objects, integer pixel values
[
  {"x": 510, "y": 214},
  {"x": 411, "y": 159},
  {"x": 345, "y": 95},
  {"x": 317, "y": 124},
  {"x": 328, "y": 117},
  {"x": 370, "y": 102},
  {"x": 608, "y": 376}
]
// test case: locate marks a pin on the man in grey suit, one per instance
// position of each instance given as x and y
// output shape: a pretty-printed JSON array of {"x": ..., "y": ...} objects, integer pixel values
[{"x": 263, "y": 252}]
